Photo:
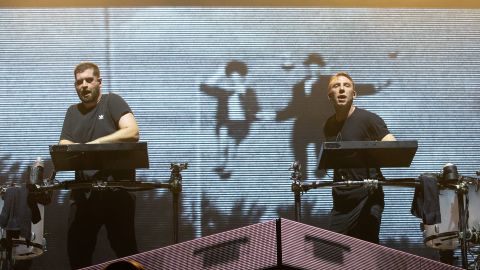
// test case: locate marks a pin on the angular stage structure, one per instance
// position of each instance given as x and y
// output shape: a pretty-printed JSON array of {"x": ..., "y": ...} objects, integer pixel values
[{"x": 277, "y": 244}]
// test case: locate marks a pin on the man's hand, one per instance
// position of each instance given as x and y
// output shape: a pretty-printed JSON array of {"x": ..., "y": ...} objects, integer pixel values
[
  {"x": 389, "y": 137},
  {"x": 66, "y": 142}
]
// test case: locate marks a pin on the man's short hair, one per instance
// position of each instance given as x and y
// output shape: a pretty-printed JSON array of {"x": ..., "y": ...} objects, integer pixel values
[
  {"x": 87, "y": 65},
  {"x": 236, "y": 66},
  {"x": 340, "y": 74}
]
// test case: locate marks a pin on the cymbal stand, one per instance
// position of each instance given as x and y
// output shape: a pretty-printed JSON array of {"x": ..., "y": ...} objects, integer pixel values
[{"x": 297, "y": 188}]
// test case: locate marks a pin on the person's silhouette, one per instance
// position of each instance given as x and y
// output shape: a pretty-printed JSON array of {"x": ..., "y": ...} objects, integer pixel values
[{"x": 237, "y": 107}]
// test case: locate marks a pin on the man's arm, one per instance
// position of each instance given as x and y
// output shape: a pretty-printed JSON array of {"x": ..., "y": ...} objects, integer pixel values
[
  {"x": 128, "y": 131},
  {"x": 63, "y": 141},
  {"x": 214, "y": 84},
  {"x": 389, "y": 137}
]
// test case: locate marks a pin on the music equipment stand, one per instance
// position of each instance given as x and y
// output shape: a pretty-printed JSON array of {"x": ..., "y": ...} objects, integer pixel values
[
  {"x": 356, "y": 154},
  {"x": 115, "y": 156},
  {"x": 366, "y": 154},
  {"x": 103, "y": 156}
]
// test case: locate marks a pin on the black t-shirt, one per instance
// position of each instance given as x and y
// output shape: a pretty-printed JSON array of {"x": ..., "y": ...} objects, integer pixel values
[
  {"x": 348, "y": 202},
  {"x": 83, "y": 125}
]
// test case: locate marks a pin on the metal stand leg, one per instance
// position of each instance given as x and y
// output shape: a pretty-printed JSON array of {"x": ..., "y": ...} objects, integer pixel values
[
  {"x": 297, "y": 188},
  {"x": 7, "y": 263},
  {"x": 176, "y": 196},
  {"x": 462, "y": 225},
  {"x": 176, "y": 188},
  {"x": 298, "y": 204}
]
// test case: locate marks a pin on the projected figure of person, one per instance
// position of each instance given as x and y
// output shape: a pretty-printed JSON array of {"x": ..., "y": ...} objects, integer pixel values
[
  {"x": 237, "y": 109},
  {"x": 310, "y": 108}
]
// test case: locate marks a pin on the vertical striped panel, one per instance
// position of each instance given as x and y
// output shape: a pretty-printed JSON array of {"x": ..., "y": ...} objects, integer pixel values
[{"x": 424, "y": 65}]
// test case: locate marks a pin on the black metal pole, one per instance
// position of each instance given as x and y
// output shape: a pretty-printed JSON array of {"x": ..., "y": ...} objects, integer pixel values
[
  {"x": 176, "y": 188},
  {"x": 176, "y": 196},
  {"x": 8, "y": 261},
  {"x": 298, "y": 204},
  {"x": 462, "y": 225},
  {"x": 297, "y": 188}
]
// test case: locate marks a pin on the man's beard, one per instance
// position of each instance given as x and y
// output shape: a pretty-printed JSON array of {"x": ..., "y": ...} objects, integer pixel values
[{"x": 92, "y": 95}]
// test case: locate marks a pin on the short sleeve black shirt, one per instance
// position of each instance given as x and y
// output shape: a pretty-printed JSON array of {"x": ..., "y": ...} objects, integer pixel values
[
  {"x": 348, "y": 202},
  {"x": 83, "y": 125}
]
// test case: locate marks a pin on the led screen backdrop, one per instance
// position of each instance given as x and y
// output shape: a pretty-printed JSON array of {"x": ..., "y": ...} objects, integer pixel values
[{"x": 418, "y": 69}]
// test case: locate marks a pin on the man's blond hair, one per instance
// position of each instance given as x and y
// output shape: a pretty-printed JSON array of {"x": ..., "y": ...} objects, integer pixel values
[{"x": 340, "y": 74}]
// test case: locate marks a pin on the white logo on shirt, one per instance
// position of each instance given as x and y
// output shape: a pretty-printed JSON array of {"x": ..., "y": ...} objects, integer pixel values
[{"x": 100, "y": 117}]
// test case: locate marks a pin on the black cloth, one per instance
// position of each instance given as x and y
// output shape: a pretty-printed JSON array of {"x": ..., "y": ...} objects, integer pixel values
[
  {"x": 90, "y": 210},
  {"x": 357, "y": 211},
  {"x": 34, "y": 198},
  {"x": 16, "y": 214},
  {"x": 425, "y": 204}
]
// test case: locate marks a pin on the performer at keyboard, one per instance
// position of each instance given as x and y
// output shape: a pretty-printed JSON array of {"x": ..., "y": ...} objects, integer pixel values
[
  {"x": 356, "y": 211},
  {"x": 99, "y": 118}
]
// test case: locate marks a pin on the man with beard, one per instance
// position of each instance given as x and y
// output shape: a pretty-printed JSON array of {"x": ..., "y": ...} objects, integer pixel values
[
  {"x": 99, "y": 118},
  {"x": 356, "y": 211}
]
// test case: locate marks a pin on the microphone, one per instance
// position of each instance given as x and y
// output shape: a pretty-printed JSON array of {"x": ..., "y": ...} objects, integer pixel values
[
  {"x": 450, "y": 172},
  {"x": 295, "y": 166},
  {"x": 36, "y": 179},
  {"x": 36, "y": 172}
]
